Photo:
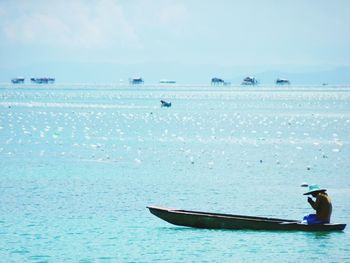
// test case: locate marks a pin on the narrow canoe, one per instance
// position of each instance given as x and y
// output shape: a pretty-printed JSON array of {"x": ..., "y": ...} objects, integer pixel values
[{"x": 227, "y": 221}]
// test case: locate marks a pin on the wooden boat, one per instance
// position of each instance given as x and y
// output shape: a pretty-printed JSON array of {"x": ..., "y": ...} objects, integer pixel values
[{"x": 227, "y": 221}]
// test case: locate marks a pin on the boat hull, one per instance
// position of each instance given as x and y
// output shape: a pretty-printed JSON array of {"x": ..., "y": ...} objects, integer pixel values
[{"x": 235, "y": 222}]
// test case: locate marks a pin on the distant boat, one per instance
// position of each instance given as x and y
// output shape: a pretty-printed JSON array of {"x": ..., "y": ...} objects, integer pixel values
[
  {"x": 249, "y": 81},
  {"x": 166, "y": 81},
  {"x": 136, "y": 81},
  {"x": 42, "y": 80},
  {"x": 165, "y": 104},
  {"x": 18, "y": 80},
  {"x": 235, "y": 222},
  {"x": 282, "y": 81}
]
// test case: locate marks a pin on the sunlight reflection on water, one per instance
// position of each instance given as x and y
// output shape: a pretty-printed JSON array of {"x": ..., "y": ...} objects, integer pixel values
[{"x": 78, "y": 167}]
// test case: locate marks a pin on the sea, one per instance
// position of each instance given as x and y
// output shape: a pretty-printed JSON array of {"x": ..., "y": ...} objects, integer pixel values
[{"x": 79, "y": 164}]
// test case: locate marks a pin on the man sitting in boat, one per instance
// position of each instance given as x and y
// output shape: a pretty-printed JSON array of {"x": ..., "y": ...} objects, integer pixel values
[{"x": 322, "y": 205}]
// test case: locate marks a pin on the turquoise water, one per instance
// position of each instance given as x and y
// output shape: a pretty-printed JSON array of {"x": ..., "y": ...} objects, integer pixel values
[{"x": 79, "y": 165}]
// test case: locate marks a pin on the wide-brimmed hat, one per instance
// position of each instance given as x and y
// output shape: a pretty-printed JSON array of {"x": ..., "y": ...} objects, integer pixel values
[{"x": 313, "y": 188}]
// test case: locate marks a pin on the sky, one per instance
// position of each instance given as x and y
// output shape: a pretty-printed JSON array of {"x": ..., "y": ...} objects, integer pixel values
[{"x": 109, "y": 40}]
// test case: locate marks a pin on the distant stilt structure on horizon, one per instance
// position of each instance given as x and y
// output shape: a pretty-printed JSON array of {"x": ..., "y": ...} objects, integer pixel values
[
  {"x": 42, "y": 80},
  {"x": 136, "y": 81},
  {"x": 249, "y": 81},
  {"x": 282, "y": 81},
  {"x": 18, "y": 80},
  {"x": 217, "y": 81}
]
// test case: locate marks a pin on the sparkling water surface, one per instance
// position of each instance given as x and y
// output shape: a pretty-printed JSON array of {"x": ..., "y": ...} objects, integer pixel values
[{"x": 80, "y": 163}]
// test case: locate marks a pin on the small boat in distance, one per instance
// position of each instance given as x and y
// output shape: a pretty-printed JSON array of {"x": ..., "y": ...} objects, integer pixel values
[
  {"x": 234, "y": 222},
  {"x": 165, "y": 104},
  {"x": 282, "y": 81},
  {"x": 167, "y": 81},
  {"x": 18, "y": 80},
  {"x": 249, "y": 81}
]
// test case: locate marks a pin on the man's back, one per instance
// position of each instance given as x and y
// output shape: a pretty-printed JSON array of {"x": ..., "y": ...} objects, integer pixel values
[{"x": 323, "y": 207}]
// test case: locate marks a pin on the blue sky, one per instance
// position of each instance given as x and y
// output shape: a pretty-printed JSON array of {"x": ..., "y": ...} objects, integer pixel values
[{"x": 169, "y": 39}]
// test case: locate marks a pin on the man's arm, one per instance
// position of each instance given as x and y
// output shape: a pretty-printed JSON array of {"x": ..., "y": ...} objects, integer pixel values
[{"x": 312, "y": 203}]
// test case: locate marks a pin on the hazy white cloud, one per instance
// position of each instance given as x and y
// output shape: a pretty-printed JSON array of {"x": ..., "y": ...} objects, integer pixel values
[
  {"x": 174, "y": 16},
  {"x": 250, "y": 32},
  {"x": 160, "y": 16},
  {"x": 77, "y": 24}
]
